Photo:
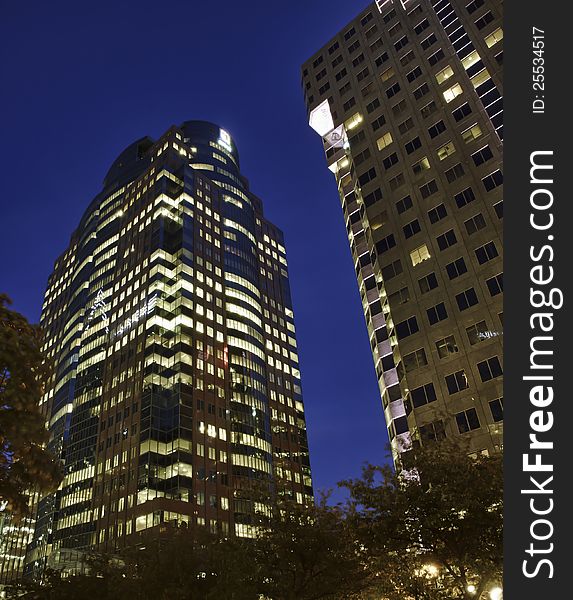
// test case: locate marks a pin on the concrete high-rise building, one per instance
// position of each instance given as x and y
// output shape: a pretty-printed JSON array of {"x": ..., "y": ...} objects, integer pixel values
[
  {"x": 170, "y": 325},
  {"x": 408, "y": 102}
]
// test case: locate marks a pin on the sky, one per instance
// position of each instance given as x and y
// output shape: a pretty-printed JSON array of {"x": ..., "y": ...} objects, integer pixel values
[{"x": 81, "y": 81}]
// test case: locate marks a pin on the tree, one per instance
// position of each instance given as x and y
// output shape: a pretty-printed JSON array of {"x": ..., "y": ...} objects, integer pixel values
[
  {"x": 308, "y": 552},
  {"x": 25, "y": 464},
  {"x": 432, "y": 529}
]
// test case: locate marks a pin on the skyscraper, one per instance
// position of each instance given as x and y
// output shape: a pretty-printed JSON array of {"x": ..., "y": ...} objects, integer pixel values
[
  {"x": 176, "y": 382},
  {"x": 408, "y": 102}
]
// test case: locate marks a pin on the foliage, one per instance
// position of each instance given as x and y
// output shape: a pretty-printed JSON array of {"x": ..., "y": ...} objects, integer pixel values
[
  {"x": 308, "y": 552},
  {"x": 433, "y": 531},
  {"x": 25, "y": 465}
]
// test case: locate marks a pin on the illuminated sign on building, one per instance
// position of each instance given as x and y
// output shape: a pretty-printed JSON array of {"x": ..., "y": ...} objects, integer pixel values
[
  {"x": 99, "y": 305},
  {"x": 146, "y": 309},
  {"x": 225, "y": 140}
]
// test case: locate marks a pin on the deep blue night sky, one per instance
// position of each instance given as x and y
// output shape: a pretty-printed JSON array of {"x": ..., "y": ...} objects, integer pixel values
[{"x": 83, "y": 80}]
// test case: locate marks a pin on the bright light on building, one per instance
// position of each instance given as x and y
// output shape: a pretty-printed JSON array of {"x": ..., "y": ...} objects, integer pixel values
[
  {"x": 321, "y": 119},
  {"x": 496, "y": 593}
]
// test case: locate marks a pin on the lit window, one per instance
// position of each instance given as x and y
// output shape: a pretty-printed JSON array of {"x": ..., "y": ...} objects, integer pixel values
[
  {"x": 452, "y": 92},
  {"x": 419, "y": 254},
  {"x": 354, "y": 121},
  {"x": 494, "y": 37},
  {"x": 384, "y": 141},
  {"x": 480, "y": 78},
  {"x": 471, "y": 133},
  {"x": 444, "y": 74},
  {"x": 471, "y": 59},
  {"x": 446, "y": 150}
]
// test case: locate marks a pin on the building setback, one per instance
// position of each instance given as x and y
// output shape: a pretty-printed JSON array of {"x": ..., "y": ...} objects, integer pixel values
[
  {"x": 408, "y": 101},
  {"x": 176, "y": 383}
]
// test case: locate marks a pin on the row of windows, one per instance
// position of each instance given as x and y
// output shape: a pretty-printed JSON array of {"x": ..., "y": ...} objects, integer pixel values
[{"x": 488, "y": 370}]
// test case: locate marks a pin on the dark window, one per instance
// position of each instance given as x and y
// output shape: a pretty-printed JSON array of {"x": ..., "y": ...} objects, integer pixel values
[
  {"x": 407, "y": 328},
  {"x": 406, "y": 125},
  {"x": 466, "y": 299},
  {"x": 496, "y": 408},
  {"x": 446, "y": 239},
  {"x": 456, "y": 268},
  {"x": 397, "y": 181},
  {"x": 341, "y": 74},
  {"x": 337, "y": 61},
  {"x": 429, "y": 188},
  {"x": 473, "y": 6},
  {"x": 467, "y": 420},
  {"x": 437, "y": 313},
  {"x": 455, "y": 172},
  {"x": 495, "y": 284},
  {"x": 354, "y": 46},
  {"x": 482, "y": 156},
  {"x": 428, "y": 110},
  {"x": 385, "y": 244},
  {"x": 433, "y": 432},
  {"x": 370, "y": 199},
  {"x": 490, "y": 369},
  {"x": 399, "y": 108},
  {"x": 366, "y": 19},
  {"x": 428, "y": 41},
  {"x": 436, "y": 129},
  {"x": 391, "y": 270},
  {"x": 463, "y": 111},
  {"x": 348, "y": 105},
  {"x": 390, "y": 161},
  {"x": 423, "y": 395},
  {"x": 493, "y": 180},
  {"x": 421, "y": 91},
  {"x": 474, "y": 224},
  {"x": 413, "y": 145},
  {"x": 368, "y": 176},
  {"x": 486, "y": 252},
  {"x": 407, "y": 58},
  {"x": 457, "y": 382},
  {"x": 333, "y": 48},
  {"x": 401, "y": 43},
  {"x": 377, "y": 123},
  {"x": 447, "y": 346},
  {"x": 389, "y": 16},
  {"x": 317, "y": 61},
  {"x": 436, "y": 57},
  {"x": 427, "y": 283},
  {"x": 391, "y": 91},
  {"x": 404, "y": 204},
  {"x": 464, "y": 197},
  {"x": 498, "y": 209},
  {"x": 483, "y": 21},
  {"x": 414, "y": 74},
  {"x": 477, "y": 332},
  {"x": 372, "y": 106},
  {"x": 421, "y": 26},
  {"x": 381, "y": 59},
  {"x": 349, "y": 33},
  {"x": 437, "y": 213},
  {"x": 415, "y": 360},
  {"x": 359, "y": 59},
  {"x": 411, "y": 229}
]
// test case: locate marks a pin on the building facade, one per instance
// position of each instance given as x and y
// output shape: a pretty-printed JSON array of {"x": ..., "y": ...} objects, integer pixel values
[
  {"x": 408, "y": 102},
  {"x": 176, "y": 384}
]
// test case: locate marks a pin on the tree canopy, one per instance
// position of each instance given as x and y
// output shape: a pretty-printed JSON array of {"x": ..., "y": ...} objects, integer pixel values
[{"x": 25, "y": 464}]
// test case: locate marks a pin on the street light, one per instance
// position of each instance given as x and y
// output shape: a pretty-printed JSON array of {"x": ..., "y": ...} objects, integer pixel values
[
  {"x": 471, "y": 588},
  {"x": 496, "y": 593}
]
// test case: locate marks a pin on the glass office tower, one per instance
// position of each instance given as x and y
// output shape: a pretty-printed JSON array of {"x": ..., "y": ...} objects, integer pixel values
[
  {"x": 176, "y": 384},
  {"x": 407, "y": 99}
]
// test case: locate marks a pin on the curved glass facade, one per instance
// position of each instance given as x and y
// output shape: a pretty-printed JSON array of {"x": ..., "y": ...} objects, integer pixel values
[{"x": 177, "y": 386}]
